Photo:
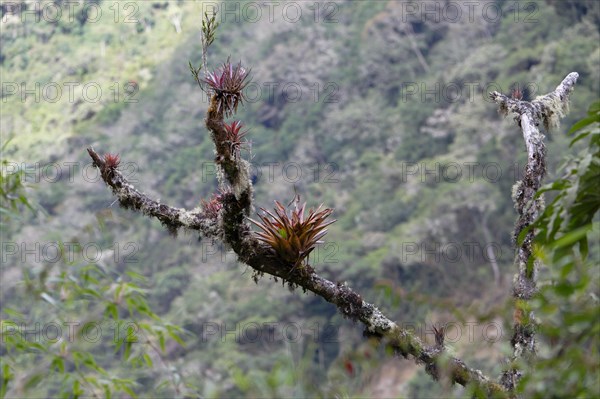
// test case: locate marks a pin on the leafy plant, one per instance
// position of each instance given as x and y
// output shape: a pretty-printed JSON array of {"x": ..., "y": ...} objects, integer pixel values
[
  {"x": 112, "y": 160},
  {"x": 578, "y": 198},
  {"x": 236, "y": 137},
  {"x": 212, "y": 207},
  {"x": 293, "y": 237},
  {"x": 227, "y": 83},
  {"x": 12, "y": 189},
  {"x": 568, "y": 306}
]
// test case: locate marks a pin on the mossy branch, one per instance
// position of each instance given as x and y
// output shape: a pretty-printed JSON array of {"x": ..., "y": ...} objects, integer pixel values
[
  {"x": 546, "y": 111},
  {"x": 225, "y": 218},
  {"x": 233, "y": 228},
  {"x": 230, "y": 223}
]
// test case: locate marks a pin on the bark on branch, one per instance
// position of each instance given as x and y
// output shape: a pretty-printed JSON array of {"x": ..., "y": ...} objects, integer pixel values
[{"x": 546, "y": 110}]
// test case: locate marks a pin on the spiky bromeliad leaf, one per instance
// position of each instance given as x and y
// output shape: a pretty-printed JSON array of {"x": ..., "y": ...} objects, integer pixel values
[
  {"x": 293, "y": 237},
  {"x": 212, "y": 207},
  {"x": 236, "y": 137}
]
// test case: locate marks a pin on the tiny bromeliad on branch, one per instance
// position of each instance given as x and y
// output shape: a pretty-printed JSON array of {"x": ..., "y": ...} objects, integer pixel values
[
  {"x": 213, "y": 206},
  {"x": 236, "y": 137},
  {"x": 293, "y": 237},
  {"x": 228, "y": 82}
]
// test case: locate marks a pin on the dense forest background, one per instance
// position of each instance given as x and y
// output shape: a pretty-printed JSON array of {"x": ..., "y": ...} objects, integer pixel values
[{"x": 374, "y": 108}]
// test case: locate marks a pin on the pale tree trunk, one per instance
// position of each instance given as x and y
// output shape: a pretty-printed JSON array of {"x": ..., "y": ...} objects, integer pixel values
[
  {"x": 547, "y": 111},
  {"x": 490, "y": 251}
]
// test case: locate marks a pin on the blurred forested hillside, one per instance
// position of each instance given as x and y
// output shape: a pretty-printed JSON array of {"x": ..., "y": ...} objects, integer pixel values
[{"x": 378, "y": 109}]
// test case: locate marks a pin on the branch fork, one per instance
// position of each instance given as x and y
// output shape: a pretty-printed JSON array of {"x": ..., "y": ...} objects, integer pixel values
[{"x": 545, "y": 111}]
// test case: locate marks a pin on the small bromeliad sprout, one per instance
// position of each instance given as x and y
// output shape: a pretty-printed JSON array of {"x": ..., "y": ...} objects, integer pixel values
[
  {"x": 440, "y": 334},
  {"x": 293, "y": 237},
  {"x": 228, "y": 83},
  {"x": 516, "y": 94},
  {"x": 112, "y": 161},
  {"x": 213, "y": 207},
  {"x": 236, "y": 137}
]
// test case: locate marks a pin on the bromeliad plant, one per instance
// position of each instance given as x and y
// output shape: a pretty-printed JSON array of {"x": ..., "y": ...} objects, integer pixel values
[
  {"x": 212, "y": 207},
  {"x": 236, "y": 137},
  {"x": 112, "y": 163},
  {"x": 293, "y": 237},
  {"x": 228, "y": 84}
]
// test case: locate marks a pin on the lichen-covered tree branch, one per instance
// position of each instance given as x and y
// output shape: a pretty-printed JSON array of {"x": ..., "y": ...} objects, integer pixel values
[
  {"x": 282, "y": 246},
  {"x": 231, "y": 225},
  {"x": 547, "y": 111}
]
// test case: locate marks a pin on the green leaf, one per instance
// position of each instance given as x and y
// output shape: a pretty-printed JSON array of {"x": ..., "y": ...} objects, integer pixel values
[
  {"x": 111, "y": 309},
  {"x": 147, "y": 359},
  {"x": 129, "y": 391},
  {"x": 594, "y": 108},
  {"x": 583, "y": 123},
  {"x": 89, "y": 361},
  {"x": 137, "y": 276},
  {"x": 76, "y": 390},
  {"x": 118, "y": 291},
  {"x": 161, "y": 341},
  {"x": 91, "y": 292},
  {"x": 6, "y": 377},
  {"x": 107, "y": 393},
  {"x": 161, "y": 385},
  {"x": 523, "y": 234},
  {"x": 13, "y": 313},
  {"x": 34, "y": 380},
  {"x": 131, "y": 334},
  {"x": 38, "y": 346},
  {"x": 118, "y": 343},
  {"x": 564, "y": 289},
  {"x": 241, "y": 380},
  {"x": 127, "y": 351},
  {"x": 571, "y": 237},
  {"x": 176, "y": 338},
  {"x": 579, "y": 137},
  {"x": 58, "y": 363},
  {"x": 583, "y": 248}
]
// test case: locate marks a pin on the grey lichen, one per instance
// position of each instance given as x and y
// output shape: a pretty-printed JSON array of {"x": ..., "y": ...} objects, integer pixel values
[
  {"x": 378, "y": 323},
  {"x": 220, "y": 174},
  {"x": 188, "y": 217},
  {"x": 242, "y": 182},
  {"x": 552, "y": 110},
  {"x": 517, "y": 191}
]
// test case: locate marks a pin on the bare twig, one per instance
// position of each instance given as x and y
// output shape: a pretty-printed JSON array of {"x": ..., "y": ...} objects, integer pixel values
[
  {"x": 490, "y": 251},
  {"x": 209, "y": 29}
]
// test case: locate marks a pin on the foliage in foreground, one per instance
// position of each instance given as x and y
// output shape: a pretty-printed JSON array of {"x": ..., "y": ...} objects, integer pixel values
[{"x": 567, "y": 305}]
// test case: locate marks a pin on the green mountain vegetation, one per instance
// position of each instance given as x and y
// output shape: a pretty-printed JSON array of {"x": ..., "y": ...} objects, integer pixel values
[{"x": 378, "y": 109}]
